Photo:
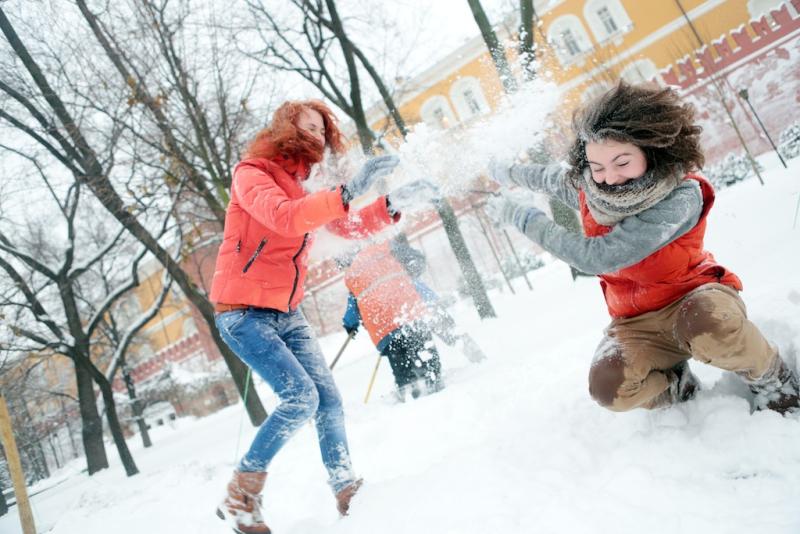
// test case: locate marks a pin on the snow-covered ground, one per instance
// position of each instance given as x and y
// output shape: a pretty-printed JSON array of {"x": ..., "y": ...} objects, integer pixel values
[{"x": 514, "y": 444}]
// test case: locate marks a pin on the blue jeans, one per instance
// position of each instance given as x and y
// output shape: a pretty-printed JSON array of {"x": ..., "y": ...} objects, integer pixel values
[{"x": 282, "y": 349}]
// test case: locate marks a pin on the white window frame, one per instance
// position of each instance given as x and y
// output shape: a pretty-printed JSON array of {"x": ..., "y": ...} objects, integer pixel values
[
  {"x": 458, "y": 95},
  {"x": 428, "y": 112},
  {"x": 555, "y": 34},
  {"x": 640, "y": 71},
  {"x": 615, "y": 9},
  {"x": 594, "y": 90}
]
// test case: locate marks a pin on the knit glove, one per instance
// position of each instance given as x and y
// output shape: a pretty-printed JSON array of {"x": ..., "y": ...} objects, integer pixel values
[
  {"x": 371, "y": 171},
  {"x": 500, "y": 172},
  {"x": 503, "y": 210},
  {"x": 417, "y": 193}
]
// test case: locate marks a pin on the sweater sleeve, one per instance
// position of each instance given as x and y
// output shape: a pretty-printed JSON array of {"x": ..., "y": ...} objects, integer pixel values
[
  {"x": 547, "y": 179},
  {"x": 264, "y": 200},
  {"x": 629, "y": 242},
  {"x": 366, "y": 221}
]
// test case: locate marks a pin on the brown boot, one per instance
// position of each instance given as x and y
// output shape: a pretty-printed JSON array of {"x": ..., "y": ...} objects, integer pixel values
[
  {"x": 344, "y": 496},
  {"x": 777, "y": 389},
  {"x": 242, "y": 507}
]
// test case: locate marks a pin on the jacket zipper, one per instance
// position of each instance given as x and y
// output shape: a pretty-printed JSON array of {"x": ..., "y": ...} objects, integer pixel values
[
  {"x": 296, "y": 271},
  {"x": 255, "y": 255}
]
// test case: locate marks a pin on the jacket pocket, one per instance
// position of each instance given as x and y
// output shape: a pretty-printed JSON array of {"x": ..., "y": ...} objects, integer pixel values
[{"x": 255, "y": 255}]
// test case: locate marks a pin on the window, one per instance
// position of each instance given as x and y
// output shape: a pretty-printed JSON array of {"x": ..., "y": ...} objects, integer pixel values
[
  {"x": 607, "y": 19},
  {"x": 639, "y": 71},
  {"x": 569, "y": 39},
  {"x": 436, "y": 112},
  {"x": 438, "y": 115},
  {"x": 472, "y": 102},
  {"x": 570, "y": 43},
  {"x": 593, "y": 91},
  {"x": 468, "y": 98}
]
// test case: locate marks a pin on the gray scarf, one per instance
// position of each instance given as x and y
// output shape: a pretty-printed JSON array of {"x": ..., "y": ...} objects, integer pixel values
[{"x": 609, "y": 204}]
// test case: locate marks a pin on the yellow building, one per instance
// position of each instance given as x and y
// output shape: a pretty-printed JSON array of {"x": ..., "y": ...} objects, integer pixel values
[{"x": 584, "y": 46}]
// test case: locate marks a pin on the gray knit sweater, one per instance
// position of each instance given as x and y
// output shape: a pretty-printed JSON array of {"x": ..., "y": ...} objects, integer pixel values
[{"x": 630, "y": 241}]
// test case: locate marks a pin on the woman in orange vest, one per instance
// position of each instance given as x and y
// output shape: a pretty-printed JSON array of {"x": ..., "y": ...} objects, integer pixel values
[
  {"x": 633, "y": 177},
  {"x": 258, "y": 286}
]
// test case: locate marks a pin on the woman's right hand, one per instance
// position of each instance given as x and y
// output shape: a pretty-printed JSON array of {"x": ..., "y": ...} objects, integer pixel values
[
  {"x": 371, "y": 171},
  {"x": 500, "y": 172}
]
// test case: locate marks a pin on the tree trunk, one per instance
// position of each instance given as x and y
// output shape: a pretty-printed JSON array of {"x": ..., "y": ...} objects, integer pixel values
[
  {"x": 99, "y": 183},
  {"x": 3, "y": 502},
  {"x": 92, "y": 425},
  {"x": 365, "y": 134},
  {"x": 496, "y": 49},
  {"x": 53, "y": 450},
  {"x": 113, "y": 421},
  {"x": 384, "y": 91},
  {"x": 136, "y": 407},
  {"x": 65, "y": 414},
  {"x": 476, "y": 288},
  {"x": 527, "y": 52}
]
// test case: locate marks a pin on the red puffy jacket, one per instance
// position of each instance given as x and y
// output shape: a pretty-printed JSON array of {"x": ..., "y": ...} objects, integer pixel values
[
  {"x": 263, "y": 258},
  {"x": 665, "y": 275}
]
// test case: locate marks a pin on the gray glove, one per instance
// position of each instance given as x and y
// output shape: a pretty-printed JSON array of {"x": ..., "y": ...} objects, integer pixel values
[
  {"x": 504, "y": 210},
  {"x": 414, "y": 193},
  {"x": 371, "y": 171},
  {"x": 500, "y": 172}
]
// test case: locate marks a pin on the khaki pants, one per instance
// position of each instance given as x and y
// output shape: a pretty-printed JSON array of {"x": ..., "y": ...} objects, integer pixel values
[{"x": 709, "y": 324}]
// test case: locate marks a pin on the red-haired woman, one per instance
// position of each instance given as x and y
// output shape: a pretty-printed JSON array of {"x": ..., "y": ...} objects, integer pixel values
[{"x": 258, "y": 286}]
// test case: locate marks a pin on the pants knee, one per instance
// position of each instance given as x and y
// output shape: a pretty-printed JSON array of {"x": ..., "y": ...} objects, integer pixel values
[
  {"x": 605, "y": 378},
  {"x": 302, "y": 403},
  {"x": 709, "y": 321},
  {"x": 330, "y": 402}
]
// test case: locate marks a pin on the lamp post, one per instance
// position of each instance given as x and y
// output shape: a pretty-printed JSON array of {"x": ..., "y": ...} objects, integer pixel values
[{"x": 744, "y": 95}]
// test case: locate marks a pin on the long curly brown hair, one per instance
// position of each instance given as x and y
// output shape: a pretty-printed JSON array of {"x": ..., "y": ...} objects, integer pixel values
[
  {"x": 648, "y": 116},
  {"x": 283, "y": 137}
]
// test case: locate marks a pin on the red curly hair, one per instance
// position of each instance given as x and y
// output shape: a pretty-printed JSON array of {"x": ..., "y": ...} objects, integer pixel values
[{"x": 283, "y": 137}]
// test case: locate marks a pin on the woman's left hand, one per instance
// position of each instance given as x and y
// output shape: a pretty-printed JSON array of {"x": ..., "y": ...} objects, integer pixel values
[
  {"x": 500, "y": 172},
  {"x": 503, "y": 210},
  {"x": 371, "y": 171},
  {"x": 418, "y": 192}
]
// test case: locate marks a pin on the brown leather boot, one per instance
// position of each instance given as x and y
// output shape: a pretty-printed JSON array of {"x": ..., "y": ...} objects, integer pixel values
[
  {"x": 344, "y": 496},
  {"x": 241, "y": 509},
  {"x": 777, "y": 389}
]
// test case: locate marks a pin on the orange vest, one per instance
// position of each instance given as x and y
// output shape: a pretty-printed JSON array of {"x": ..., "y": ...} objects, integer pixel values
[
  {"x": 665, "y": 275},
  {"x": 263, "y": 258},
  {"x": 386, "y": 295}
]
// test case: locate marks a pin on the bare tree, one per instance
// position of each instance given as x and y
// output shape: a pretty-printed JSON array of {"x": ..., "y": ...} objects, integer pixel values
[
  {"x": 48, "y": 115},
  {"x": 562, "y": 214},
  {"x": 56, "y": 308},
  {"x": 496, "y": 48},
  {"x": 528, "y": 22},
  {"x": 307, "y": 52},
  {"x": 121, "y": 337}
]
